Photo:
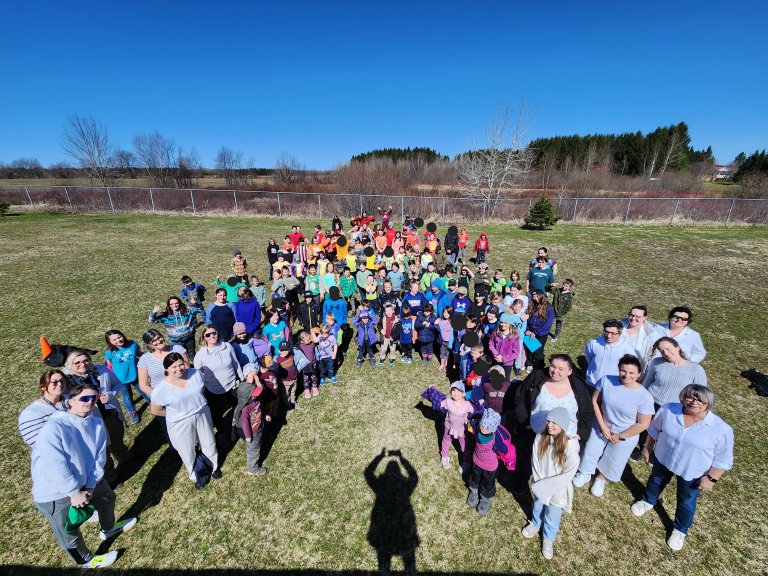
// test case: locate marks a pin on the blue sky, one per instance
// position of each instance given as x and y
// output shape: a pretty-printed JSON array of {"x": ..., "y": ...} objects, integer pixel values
[{"x": 327, "y": 80}]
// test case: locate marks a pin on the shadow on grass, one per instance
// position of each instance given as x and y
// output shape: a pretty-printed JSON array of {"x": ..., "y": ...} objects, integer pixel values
[
  {"x": 637, "y": 489},
  {"x": 21, "y": 570},
  {"x": 437, "y": 418}
]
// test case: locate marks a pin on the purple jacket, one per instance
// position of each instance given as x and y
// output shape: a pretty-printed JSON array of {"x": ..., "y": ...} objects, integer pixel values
[
  {"x": 508, "y": 348},
  {"x": 541, "y": 327},
  {"x": 362, "y": 328}
]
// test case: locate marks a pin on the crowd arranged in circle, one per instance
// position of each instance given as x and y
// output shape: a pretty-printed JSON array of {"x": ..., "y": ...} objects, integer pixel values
[{"x": 643, "y": 394}]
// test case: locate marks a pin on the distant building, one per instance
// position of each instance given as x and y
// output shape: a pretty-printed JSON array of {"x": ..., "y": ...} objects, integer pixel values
[{"x": 723, "y": 172}]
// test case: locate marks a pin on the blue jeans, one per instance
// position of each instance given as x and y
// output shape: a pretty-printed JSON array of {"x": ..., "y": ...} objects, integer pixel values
[
  {"x": 127, "y": 395},
  {"x": 548, "y": 516},
  {"x": 326, "y": 367},
  {"x": 687, "y": 494}
]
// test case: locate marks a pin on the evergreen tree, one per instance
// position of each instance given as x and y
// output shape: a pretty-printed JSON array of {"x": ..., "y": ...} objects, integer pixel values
[{"x": 541, "y": 215}]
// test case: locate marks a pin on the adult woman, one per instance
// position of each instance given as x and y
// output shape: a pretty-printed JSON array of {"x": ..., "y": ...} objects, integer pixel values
[
  {"x": 221, "y": 371},
  {"x": 541, "y": 315},
  {"x": 179, "y": 321},
  {"x": 670, "y": 373},
  {"x": 689, "y": 442},
  {"x": 179, "y": 398},
  {"x": 221, "y": 314},
  {"x": 544, "y": 390},
  {"x": 639, "y": 333},
  {"x": 150, "y": 366},
  {"x": 678, "y": 327},
  {"x": 53, "y": 386},
  {"x": 248, "y": 310},
  {"x": 623, "y": 409},
  {"x": 68, "y": 471},
  {"x": 81, "y": 370}
]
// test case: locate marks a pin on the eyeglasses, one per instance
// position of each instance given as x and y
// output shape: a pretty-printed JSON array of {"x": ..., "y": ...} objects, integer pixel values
[
  {"x": 86, "y": 399},
  {"x": 158, "y": 340},
  {"x": 610, "y": 333},
  {"x": 680, "y": 318},
  {"x": 211, "y": 334},
  {"x": 696, "y": 400},
  {"x": 81, "y": 362}
]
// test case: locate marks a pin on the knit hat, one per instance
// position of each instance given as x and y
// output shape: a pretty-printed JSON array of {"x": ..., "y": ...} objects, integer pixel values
[
  {"x": 437, "y": 283},
  {"x": 490, "y": 420},
  {"x": 236, "y": 252},
  {"x": 238, "y": 328},
  {"x": 483, "y": 265},
  {"x": 507, "y": 318},
  {"x": 559, "y": 416},
  {"x": 459, "y": 385}
]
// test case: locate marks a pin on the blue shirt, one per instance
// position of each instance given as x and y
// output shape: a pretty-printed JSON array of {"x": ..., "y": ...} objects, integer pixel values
[
  {"x": 123, "y": 362},
  {"x": 691, "y": 452}
]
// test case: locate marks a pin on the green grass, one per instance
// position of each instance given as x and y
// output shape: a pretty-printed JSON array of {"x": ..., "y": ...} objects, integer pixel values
[{"x": 73, "y": 277}]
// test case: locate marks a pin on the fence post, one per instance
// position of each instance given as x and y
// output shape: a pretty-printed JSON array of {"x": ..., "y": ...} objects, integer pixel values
[
  {"x": 626, "y": 215},
  {"x": 30, "y": 198},
  {"x": 279, "y": 208},
  {"x": 575, "y": 206},
  {"x": 730, "y": 210},
  {"x": 674, "y": 213},
  {"x": 68, "y": 198},
  {"x": 152, "y": 199},
  {"x": 319, "y": 207},
  {"x": 234, "y": 195},
  {"x": 111, "y": 204},
  {"x": 192, "y": 197}
]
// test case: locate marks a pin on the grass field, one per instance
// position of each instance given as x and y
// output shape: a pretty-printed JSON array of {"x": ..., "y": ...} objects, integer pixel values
[{"x": 73, "y": 277}]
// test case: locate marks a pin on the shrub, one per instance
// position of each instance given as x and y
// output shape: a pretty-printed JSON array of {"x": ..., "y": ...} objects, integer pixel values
[
  {"x": 4, "y": 208},
  {"x": 541, "y": 215}
]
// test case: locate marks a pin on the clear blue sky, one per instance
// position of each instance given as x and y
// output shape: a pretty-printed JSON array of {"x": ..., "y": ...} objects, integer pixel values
[{"x": 326, "y": 80}]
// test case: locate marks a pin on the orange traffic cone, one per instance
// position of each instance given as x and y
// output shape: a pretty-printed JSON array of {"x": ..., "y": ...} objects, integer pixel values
[{"x": 45, "y": 348}]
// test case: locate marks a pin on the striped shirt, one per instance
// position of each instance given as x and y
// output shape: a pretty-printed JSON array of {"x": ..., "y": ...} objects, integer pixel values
[{"x": 33, "y": 418}]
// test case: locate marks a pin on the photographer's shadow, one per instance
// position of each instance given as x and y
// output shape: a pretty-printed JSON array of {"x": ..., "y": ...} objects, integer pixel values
[{"x": 393, "y": 522}]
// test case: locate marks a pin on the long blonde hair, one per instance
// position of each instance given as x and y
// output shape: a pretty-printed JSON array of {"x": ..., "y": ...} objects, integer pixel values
[{"x": 559, "y": 445}]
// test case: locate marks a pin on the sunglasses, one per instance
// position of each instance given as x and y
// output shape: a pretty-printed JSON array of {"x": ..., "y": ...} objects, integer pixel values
[
  {"x": 676, "y": 317},
  {"x": 60, "y": 381},
  {"x": 211, "y": 334},
  {"x": 86, "y": 399}
]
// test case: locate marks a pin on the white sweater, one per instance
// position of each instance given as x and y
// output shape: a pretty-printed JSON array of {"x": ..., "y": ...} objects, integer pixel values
[
  {"x": 551, "y": 483},
  {"x": 69, "y": 454}
]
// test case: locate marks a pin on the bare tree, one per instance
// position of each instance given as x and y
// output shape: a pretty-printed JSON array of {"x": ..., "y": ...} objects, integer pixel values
[
  {"x": 157, "y": 155},
  {"x": 230, "y": 164},
  {"x": 288, "y": 169},
  {"x": 488, "y": 173},
  {"x": 187, "y": 165},
  {"x": 124, "y": 161},
  {"x": 86, "y": 140}
]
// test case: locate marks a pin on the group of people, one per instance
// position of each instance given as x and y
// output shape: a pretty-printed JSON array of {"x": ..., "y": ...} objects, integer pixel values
[{"x": 227, "y": 366}]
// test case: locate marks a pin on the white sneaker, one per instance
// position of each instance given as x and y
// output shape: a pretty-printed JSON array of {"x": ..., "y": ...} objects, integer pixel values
[
  {"x": 529, "y": 530},
  {"x": 101, "y": 561},
  {"x": 446, "y": 462},
  {"x": 547, "y": 549},
  {"x": 581, "y": 479},
  {"x": 641, "y": 507},
  {"x": 676, "y": 540},
  {"x": 119, "y": 527},
  {"x": 598, "y": 487}
]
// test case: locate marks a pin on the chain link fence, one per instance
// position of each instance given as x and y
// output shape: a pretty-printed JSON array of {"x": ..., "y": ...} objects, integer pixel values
[{"x": 440, "y": 209}]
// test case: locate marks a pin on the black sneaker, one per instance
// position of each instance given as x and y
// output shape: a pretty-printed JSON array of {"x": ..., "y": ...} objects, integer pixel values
[
  {"x": 636, "y": 455},
  {"x": 216, "y": 474}
]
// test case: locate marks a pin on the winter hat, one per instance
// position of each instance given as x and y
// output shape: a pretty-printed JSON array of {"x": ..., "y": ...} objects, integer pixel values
[
  {"x": 492, "y": 310},
  {"x": 459, "y": 385},
  {"x": 483, "y": 265},
  {"x": 334, "y": 292},
  {"x": 490, "y": 420},
  {"x": 236, "y": 252},
  {"x": 437, "y": 283},
  {"x": 507, "y": 318},
  {"x": 559, "y": 416},
  {"x": 238, "y": 328}
]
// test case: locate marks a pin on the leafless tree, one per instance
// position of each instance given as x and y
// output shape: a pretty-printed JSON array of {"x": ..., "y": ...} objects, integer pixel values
[
  {"x": 124, "y": 161},
  {"x": 488, "y": 173},
  {"x": 187, "y": 165},
  {"x": 230, "y": 164},
  {"x": 86, "y": 141},
  {"x": 157, "y": 155},
  {"x": 288, "y": 169}
]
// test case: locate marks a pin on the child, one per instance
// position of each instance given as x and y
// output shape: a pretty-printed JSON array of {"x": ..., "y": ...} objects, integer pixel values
[
  {"x": 562, "y": 301},
  {"x": 498, "y": 282},
  {"x": 251, "y": 423},
  {"x": 258, "y": 291},
  {"x": 468, "y": 358},
  {"x": 326, "y": 354},
  {"x": 485, "y": 464},
  {"x": 193, "y": 293},
  {"x": 312, "y": 281},
  {"x": 505, "y": 344},
  {"x": 426, "y": 333},
  {"x": 463, "y": 241},
  {"x": 288, "y": 376},
  {"x": 459, "y": 409},
  {"x": 482, "y": 248},
  {"x": 554, "y": 462},
  {"x": 232, "y": 286},
  {"x": 515, "y": 292},
  {"x": 239, "y": 266},
  {"x": 122, "y": 356},
  {"x": 267, "y": 379},
  {"x": 407, "y": 334},
  {"x": 491, "y": 320},
  {"x": 445, "y": 330},
  {"x": 366, "y": 336},
  {"x": 519, "y": 323},
  {"x": 348, "y": 287},
  {"x": 482, "y": 281},
  {"x": 308, "y": 347},
  {"x": 372, "y": 294},
  {"x": 390, "y": 333},
  {"x": 276, "y": 330}
]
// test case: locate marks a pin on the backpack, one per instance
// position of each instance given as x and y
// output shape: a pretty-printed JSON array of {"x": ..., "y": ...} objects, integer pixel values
[
  {"x": 505, "y": 450},
  {"x": 203, "y": 469},
  {"x": 300, "y": 359}
]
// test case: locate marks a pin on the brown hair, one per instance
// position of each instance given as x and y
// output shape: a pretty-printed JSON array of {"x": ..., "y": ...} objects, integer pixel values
[
  {"x": 45, "y": 380},
  {"x": 559, "y": 444}
]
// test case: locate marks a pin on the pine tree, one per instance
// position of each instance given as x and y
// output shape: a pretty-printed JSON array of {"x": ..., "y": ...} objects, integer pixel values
[{"x": 542, "y": 214}]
